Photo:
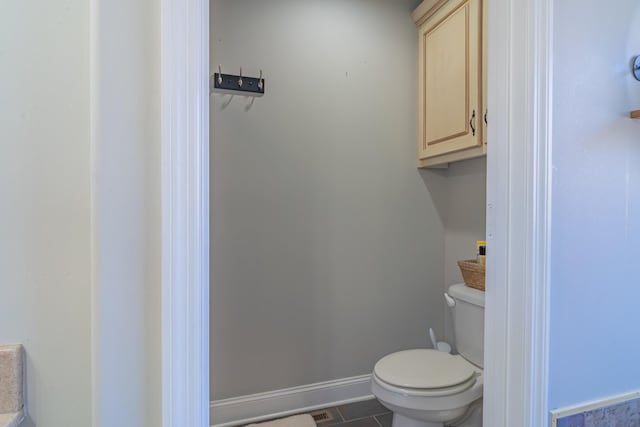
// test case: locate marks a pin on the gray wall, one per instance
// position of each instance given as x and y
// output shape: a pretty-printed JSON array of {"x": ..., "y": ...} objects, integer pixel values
[
  {"x": 596, "y": 203},
  {"x": 465, "y": 219},
  {"x": 327, "y": 247},
  {"x": 466, "y": 213}
]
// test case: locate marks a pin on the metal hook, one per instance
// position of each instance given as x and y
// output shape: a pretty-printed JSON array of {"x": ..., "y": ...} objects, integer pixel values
[
  {"x": 240, "y": 79},
  {"x": 260, "y": 81},
  {"x": 219, "y": 74}
]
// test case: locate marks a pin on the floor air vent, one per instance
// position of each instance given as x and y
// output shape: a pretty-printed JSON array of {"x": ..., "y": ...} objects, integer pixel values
[{"x": 322, "y": 416}]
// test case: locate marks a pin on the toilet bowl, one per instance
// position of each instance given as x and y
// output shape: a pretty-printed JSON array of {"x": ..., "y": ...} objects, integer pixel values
[
  {"x": 430, "y": 388},
  {"x": 442, "y": 393}
]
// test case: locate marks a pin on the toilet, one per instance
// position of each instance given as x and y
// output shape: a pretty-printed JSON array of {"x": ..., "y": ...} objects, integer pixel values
[{"x": 430, "y": 388}]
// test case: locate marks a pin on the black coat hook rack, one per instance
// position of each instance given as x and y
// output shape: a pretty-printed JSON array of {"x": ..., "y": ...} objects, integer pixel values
[{"x": 237, "y": 83}]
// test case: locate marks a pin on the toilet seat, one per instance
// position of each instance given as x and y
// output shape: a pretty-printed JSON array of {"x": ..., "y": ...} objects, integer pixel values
[
  {"x": 425, "y": 392},
  {"x": 424, "y": 373}
]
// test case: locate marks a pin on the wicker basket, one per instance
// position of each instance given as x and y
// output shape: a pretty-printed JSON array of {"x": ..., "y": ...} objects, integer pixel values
[{"x": 472, "y": 273}]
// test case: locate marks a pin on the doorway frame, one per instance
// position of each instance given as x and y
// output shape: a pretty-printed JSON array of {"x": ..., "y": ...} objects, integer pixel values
[
  {"x": 184, "y": 44},
  {"x": 518, "y": 212}
]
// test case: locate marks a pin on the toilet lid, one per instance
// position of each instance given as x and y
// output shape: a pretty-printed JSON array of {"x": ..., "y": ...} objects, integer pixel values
[{"x": 423, "y": 369}]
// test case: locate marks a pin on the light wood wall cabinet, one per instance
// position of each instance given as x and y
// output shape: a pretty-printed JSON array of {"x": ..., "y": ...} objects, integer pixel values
[{"x": 451, "y": 81}]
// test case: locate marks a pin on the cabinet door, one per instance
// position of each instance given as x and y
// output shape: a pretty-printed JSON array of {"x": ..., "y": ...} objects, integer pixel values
[{"x": 450, "y": 65}]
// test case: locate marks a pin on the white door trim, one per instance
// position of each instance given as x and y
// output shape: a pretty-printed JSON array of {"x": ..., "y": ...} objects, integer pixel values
[
  {"x": 518, "y": 216},
  {"x": 185, "y": 212},
  {"x": 518, "y": 213}
]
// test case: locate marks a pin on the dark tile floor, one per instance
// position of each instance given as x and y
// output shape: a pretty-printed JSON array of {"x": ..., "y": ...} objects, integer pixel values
[{"x": 368, "y": 413}]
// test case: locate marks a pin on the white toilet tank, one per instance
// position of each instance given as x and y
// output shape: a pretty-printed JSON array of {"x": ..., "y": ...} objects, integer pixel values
[{"x": 468, "y": 322}]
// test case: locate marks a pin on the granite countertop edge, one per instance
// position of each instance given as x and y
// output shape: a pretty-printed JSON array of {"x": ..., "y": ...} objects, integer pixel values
[{"x": 11, "y": 419}]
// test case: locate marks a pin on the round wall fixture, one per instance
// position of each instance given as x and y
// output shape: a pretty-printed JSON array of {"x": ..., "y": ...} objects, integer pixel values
[{"x": 636, "y": 67}]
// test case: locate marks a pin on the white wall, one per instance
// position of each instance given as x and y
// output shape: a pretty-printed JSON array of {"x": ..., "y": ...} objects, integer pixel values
[
  {"x": 126, "y": 212},
  {"x": 45, "y": 261},
  {"x": 327, "y": 246},
  {"x": 80, "y": 191},
  {"x": 596, "y": 202}
]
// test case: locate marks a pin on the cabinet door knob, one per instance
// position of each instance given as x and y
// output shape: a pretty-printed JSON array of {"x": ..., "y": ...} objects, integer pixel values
[
  {"x": 472, "y": 123},
  {"x": 485, "y": 117}
]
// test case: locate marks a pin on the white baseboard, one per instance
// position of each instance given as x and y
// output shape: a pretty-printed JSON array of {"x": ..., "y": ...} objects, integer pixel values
[{"x": 273, "y": 404}]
